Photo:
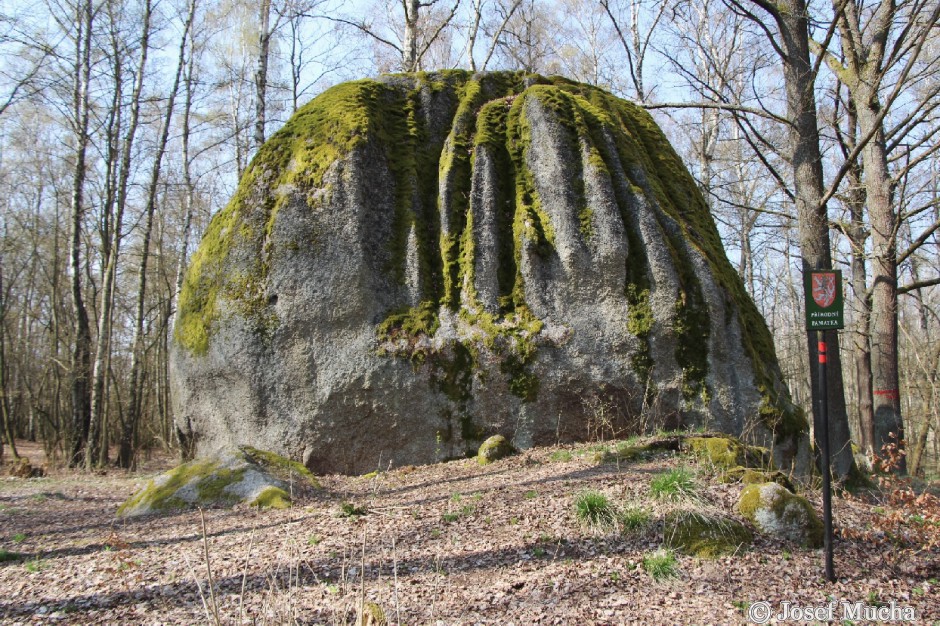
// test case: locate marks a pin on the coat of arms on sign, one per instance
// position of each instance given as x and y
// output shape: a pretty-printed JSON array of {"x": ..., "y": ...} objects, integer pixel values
[{"x": 824, "y": 289}]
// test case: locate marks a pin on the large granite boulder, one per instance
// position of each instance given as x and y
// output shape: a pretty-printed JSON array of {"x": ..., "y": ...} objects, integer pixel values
[{"x": 417, "y": 262}]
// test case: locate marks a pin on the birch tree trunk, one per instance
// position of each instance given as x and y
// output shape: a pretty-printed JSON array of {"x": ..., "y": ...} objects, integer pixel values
[
  {"x": 261, "y": 72},
  {"x": 132, "y": 419},
  {"x": 96, "y": 450},
  {"x": 81, "y": 350},
  {"x": 409, "y": 56}
]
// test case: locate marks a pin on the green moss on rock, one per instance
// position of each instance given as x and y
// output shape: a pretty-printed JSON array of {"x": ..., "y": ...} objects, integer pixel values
[
  {"x": 297, "y": 156},
  {"x": 272, "y": 498},
  {"x": 750, "y": 476},
  {"x": 704, "y": 536},
  {"x": 493, "y": 449},
  {"x": 487, "y": 114},
  {"x": 776, "y": 511},
  {"x": 245, "y": 474},
  {"x": 727, "y": 452},
  {"x": 283, "y": 467},
  {"x": 160, "y": 493}
]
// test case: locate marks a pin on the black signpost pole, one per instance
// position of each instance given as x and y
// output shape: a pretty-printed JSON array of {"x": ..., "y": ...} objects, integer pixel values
[
  {"x": 823, "y": 439},
  {"x": 824, "y": 311}
]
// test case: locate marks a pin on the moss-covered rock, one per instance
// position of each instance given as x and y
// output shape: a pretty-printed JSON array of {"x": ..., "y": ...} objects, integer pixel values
[
  {"x": 493, "y": 449},
  {"x": 417, "y": 259},
  {"x": 371, "y": 614},
  {"x": 778, "y": 512},
  {"x": 236, "y": 475},
  {"x": 704, "y": 536},
  {"x": 726, "y": 452},
  {"x": 751, "y": 476}
]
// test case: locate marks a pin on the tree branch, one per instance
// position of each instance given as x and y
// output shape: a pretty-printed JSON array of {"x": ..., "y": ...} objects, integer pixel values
[{"x": 719, "y": 106}]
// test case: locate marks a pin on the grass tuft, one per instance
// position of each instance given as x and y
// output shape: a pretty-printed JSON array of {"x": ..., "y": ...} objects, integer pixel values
[
  {"x": 676, "y": 484},
  {"x": 633, "y": 518},
  {"x": 6, "y": 556},
  {"x": 594, "y": 509},
  {"x": 661, "y": 564}
]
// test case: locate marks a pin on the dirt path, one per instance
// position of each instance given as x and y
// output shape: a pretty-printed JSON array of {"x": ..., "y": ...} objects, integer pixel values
[{"x": 454, "y": 543}]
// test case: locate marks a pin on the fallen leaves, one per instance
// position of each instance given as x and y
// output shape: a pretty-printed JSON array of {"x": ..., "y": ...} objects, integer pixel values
[{"x": 456, "y": 543}]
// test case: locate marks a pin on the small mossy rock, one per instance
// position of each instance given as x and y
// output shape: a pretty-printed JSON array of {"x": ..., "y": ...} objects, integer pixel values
[
  {"x": 777, "y": 511},
  {"x": 493, "y": 449},
  {"x": 371, "y": 614},
  {"x": 236, "y": 475},
  {"x": 751, "y": 476},
  {"x": 728, "y": 452},
  {"x": 627, "y": 453},
  {"x": 704, "y": 536}
]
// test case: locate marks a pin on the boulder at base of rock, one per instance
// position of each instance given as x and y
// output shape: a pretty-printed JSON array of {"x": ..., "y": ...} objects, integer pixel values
[
  {"x": 704, "y": 536},
  {"x": 776, "y": 511},
  {"x": 236, "y": 475},
  {"x": 493, "y": 449}
]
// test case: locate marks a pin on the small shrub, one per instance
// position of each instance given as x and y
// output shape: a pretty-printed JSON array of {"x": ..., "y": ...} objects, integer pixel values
[
  {"x": 594, "y": 509},
  {"x": 7, "y": 556},
  {"x": 675, "y": 484},
  {"x": 348, "y": 509},
  {"x": 19, "y": 538},
  {"x": 660, "y": 564}
]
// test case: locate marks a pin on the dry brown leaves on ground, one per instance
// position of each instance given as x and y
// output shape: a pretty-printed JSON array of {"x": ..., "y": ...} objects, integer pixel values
[{"x": 453, "y": 543}]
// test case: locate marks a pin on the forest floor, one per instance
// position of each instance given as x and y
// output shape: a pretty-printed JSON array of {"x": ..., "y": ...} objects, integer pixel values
[{"x": 453, "y": 543}]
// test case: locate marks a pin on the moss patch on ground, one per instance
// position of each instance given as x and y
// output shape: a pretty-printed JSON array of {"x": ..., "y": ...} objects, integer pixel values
[{"x": 704, "y": 536}]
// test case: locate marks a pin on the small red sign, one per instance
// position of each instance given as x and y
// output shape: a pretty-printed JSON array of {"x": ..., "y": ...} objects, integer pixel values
[{"x": 824, "y": 289}]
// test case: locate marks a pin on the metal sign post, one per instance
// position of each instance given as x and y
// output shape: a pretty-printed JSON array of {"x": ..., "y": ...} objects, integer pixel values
[{"x": 824, "y": 311}]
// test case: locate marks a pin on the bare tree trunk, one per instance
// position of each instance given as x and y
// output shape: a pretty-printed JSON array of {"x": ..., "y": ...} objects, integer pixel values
[
  {"x": 81, "y": 350},
  {"x": 812, "y": 214},
  {"x": 261, "y": 72},
  {"x": 864, "y": 57},
  {"x": 857, "y": 234},
  {"x": 6, "y": 418},
  {"x": 96, "y": 453},
  {"x": 131, "y": 421},
  {"x": 189, "y": 196}
]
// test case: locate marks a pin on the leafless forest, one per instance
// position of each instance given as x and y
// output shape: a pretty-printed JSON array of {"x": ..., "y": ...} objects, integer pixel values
[{"x": 811, "y": 128}]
